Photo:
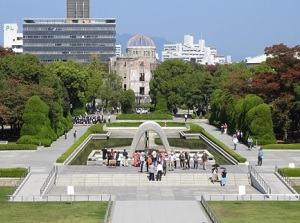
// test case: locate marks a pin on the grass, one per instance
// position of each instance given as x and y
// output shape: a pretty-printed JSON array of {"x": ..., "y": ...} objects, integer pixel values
[
  {"x": 256, "y": 211},
  {"x": 297, "y": 188},
  {"x": 54, "y": 212}
]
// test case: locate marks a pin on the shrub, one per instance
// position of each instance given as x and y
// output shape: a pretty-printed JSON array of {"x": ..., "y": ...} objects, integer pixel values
[
  {"x": 290, "y": 172},
  {"x": 12, "y": 172},
  {"x": 151, "y": 116},
  {"x": 14, "y": 146},
  {"x": 36, "y": 128},
  {"x": 295, "y": 146}
]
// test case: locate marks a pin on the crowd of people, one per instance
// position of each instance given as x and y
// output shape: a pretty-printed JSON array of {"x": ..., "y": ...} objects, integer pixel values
[{"x": 91, "y": 119}]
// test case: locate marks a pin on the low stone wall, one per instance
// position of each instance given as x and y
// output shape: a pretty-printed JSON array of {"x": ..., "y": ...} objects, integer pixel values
[
  {"x": 9, "y": 182},
  {"x": 296, "y": 180}
]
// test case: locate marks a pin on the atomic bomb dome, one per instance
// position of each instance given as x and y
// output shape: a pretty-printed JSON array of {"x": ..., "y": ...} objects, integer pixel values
[{"x": 140, "y": 41}]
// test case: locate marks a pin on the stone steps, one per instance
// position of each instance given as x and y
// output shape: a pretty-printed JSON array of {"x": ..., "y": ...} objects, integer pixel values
[{"x": 171, "y": 179}]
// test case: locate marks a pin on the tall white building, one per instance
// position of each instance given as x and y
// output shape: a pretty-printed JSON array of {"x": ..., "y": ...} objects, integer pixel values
[
  {"x": 189, "y": 51},
  {"x": 13, "y": 39}
]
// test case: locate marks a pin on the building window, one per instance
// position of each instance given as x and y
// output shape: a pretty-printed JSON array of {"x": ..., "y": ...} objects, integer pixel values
[
  {"x": 142, "y": 90},
  {"x": 142, "y": 76}
]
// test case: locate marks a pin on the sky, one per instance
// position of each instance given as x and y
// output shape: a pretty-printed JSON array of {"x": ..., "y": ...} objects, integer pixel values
[{"x": 235, "y": 27}]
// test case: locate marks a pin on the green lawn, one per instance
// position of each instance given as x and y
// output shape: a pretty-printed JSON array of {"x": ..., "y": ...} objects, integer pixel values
[
  {"x": 256, "y": 211},
  {"x": 85, "y": 212},
  {"x": 297, "y": 188}
]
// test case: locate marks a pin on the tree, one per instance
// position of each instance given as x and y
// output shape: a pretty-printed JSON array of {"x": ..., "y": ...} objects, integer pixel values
[
  {"x": 36, "y": 128},
  {"x": 112, "y": 90},
  {"x": 127, "y": 101}
]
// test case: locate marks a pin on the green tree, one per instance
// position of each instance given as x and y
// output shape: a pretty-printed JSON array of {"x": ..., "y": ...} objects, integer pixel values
[
  {"x": 36, "y": 128},
  {"x": 127, "y": 101}
]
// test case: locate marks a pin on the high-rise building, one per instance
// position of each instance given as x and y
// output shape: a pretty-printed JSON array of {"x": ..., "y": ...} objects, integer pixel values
[
  {"x": 13, "y": 39},
  {"x": 60, "y": 39},
  {"x": 193, "y": 52},
  {"x": 78, "y": 9}
]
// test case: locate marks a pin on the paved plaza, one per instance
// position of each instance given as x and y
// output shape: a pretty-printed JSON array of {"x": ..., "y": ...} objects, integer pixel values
[{"x": 173, "y": 199}]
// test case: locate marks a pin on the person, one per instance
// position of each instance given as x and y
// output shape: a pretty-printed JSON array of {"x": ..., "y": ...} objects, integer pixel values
[
  {"x": 222, "y": 128},
  {"x": 135, "y": 159},
  {"x": 187, "y": 158},
  {"x": 104, "y": 153},
  {"x": 214, "y": 175},
  {"x": 181, "y": 159},
  {"x": 109, "y": 119},
  {"x": 235, "y": 141},
  {"x": 196, "y": 160},
  {"x": 75, "y": 135},
  {"x": 172, "y": 158},
  {"x": 225, "y": 128},
  {"x": 204, "y": 160},
  {"x": 66, "y": 134},
  {"x": 154, "y": 157},
  {"x": 111, "y": 156},
  {"x": 185, "y": 117},
  {"x": 223, "y": 179},
  {"x": 118, "y": 160},
  {"x": 142, "y": 161},
  {"x": 260, "y": 156},
  {"x": 149, "y": 162},
  {"x": 151, "y": 172},
  {"x": 125, "y": 158},
  {"x": 159, "y": 170},
  {"x": 164, "y": 164},
  {"x": 250, "y": 143}
]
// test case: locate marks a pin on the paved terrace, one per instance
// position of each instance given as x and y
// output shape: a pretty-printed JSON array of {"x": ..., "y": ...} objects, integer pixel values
[{"x": 177, "y": 193}]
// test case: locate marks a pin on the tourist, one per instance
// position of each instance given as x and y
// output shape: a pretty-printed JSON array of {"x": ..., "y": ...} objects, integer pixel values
[
  {"x": 142, "y": 161},
  {"x": 185, "y": 117},
  {"x": 172, "y": 158},
  {"x": 154, "y": 157},
  {"x": 104, "y": 153},
  {"x": 250, "y": 143},
  {"x": 159, "y": 170},
  {"x": 235, "y": 141},
  {"x": 135, "y": 159},
  {"x": 111, "y": 156},
  {"x": 151, "y": 172},
  {"x": 204, "y": 160},
  {"x": 196, "y": 160},
  {"x": 149, "y": 162},
  {"x": 181, "y": 159},
  {"x": 223, "y": 179},
  {"x": 225, "y": 128},
  {"x": 75, "y": 135},
  {"x": 187, "y": 159},
  {"x": 164, "y": 165},
  {"x": 222, "y": 128},
  {"x": 214, "y": 175},
  {"x": 260, "y": 156},
  {"x": 125, "y": 158},
  {"x": 118, "y": 158}
]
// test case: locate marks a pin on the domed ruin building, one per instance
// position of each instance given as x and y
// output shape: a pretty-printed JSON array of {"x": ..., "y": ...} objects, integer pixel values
[{"x": 137, "y": 66}]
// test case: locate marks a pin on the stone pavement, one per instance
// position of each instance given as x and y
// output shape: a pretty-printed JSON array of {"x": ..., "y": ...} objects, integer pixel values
[{"x": 147, "y": 198}]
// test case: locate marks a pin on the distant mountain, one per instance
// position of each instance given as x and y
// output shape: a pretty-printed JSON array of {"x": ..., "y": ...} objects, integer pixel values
[{"x": 159, "y": 42}]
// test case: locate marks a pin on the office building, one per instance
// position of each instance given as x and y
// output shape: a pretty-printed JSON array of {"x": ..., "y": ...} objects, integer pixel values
[
  {"x": 78, "y": 9},
  {"x": 189, "y": 51},
  {"x": 60, "y": 39},
  {"x": 137, "y": 66},
  {"x": 13, "y": 39}
]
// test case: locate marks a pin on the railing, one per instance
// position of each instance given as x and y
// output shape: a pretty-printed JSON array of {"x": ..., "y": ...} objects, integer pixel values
[
  {"x": 208, "y": 210},
  {"x": 52, "y": 172},
  {"x": 260, "y": 180},
  {"x": 59, "y": 198},
  {"x": 286, "y": 180},
  {"x": 19, "y": 182},
  {"x": 251, "y": 197},
  {"x": 108, "y": 211}
]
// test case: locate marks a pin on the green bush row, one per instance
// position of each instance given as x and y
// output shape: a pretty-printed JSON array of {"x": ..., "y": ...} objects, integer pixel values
[
  {"x": 15, "y": 146},
  {"x": 295, "y": 146},
  {"x": 198, "y": 129},
  {"x": 290, "y": 172},
  {"x": 98, "y": 128},
  {"x": 144, "y": 117},
  {"x": 12, "y": 172}
]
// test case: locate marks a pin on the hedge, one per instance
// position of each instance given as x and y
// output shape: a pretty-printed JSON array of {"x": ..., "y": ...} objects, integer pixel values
[
  {"x": 98, "y": 128},
  {"x": 144, "y": 117},
  {"x": 12, "y": 172},
  {"x": 295, "y": 146},
  {"x": 198, "y": 129},
  {"x": 15, "y": 146},
  {"x": 290, "y": 172}
]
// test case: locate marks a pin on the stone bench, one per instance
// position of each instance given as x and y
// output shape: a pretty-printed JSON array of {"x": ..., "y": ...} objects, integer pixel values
[{"x": 3, "y": 142}]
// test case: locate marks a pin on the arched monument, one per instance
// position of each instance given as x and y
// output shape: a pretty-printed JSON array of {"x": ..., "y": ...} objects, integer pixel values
[{"x": 144, "y": 127}]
